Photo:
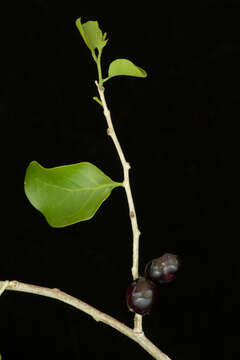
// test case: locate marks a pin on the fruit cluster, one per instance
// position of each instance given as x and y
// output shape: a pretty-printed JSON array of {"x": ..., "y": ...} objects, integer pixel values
[{"x": 142, "y": 293}]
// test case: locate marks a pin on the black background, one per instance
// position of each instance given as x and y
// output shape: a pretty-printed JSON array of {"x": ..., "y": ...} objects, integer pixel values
[{"x": 179, "y": 129}]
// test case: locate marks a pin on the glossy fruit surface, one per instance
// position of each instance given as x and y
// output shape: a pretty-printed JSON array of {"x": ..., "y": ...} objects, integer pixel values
[
  {"x": 141, "y": 296},
  {"x": 163, "y": 269}
]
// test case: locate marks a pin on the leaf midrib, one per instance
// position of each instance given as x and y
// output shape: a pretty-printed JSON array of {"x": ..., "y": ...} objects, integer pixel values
[{"x": 82, "y": 188}]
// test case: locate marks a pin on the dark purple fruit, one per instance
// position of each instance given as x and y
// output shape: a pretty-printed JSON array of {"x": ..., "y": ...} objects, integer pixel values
[
  {"x": 163, "y": 269},
  {"x": 141, "y": 296}
]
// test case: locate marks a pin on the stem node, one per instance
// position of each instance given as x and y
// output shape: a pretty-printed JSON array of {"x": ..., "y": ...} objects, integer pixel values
[{"x": 132, "y": 214}]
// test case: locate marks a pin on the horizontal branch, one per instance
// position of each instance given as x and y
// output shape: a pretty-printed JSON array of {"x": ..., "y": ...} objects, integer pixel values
[{"x": 97, "y": 315}]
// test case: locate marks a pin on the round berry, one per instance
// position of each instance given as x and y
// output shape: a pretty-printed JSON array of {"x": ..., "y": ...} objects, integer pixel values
[
  {"x": 162, "y": 269},
  {"x": 141, "y": 296}
]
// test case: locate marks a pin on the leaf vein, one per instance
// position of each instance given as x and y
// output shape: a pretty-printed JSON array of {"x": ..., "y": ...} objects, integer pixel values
[{"x": 83, "y": 188}]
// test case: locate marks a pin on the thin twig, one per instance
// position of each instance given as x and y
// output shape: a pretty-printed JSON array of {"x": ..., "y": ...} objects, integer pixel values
[
  {"x": 132, "y": 213},
  {"x": 97, "y": 315}
]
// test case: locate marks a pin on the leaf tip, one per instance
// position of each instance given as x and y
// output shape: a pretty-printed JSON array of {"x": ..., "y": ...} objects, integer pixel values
[{"x": 78, "y": 23}]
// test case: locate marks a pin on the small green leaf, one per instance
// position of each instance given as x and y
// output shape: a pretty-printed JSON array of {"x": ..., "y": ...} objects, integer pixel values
[
  {"x": 91, "y": 34},
  {"x": 97, "y": 100},
  {"x": 67, "y": 194},
  {"x": 125, "y": 67}
]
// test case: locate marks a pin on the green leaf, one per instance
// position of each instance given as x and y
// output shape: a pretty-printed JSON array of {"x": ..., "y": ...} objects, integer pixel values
[
  {"x": 91, "y": 34},
  {"x": 67, "y": 194},
  {"x": 125, "y": 67}
]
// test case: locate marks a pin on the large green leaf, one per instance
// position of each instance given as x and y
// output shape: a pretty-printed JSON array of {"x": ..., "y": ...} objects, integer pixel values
[
  {"x": 91, "y": 34},
  {"x": 67, "y": 194},
  {"x": 125, "y": 67}
]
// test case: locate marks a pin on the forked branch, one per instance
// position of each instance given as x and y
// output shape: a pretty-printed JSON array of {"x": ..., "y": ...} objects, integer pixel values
[
  {"x": 136, "y": 334},
  {"x": 94, "y": 39}
]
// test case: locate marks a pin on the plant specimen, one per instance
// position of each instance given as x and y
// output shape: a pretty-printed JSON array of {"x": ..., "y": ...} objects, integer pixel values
[{"x": 69, "y": 194}]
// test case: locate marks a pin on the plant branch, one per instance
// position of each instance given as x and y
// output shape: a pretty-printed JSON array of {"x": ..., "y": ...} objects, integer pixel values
[
  {"x": 97, "y": 315},
  {"x": 126, "y": 183}
]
